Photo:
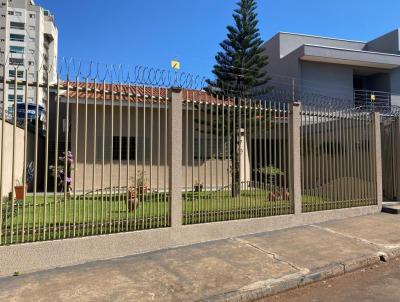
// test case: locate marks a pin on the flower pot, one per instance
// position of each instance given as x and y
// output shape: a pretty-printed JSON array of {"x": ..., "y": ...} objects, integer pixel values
[
  {"x": 132, "y": 200},
  {"x": 19, "y": 192},
  {"x": 198, "y": 188}
]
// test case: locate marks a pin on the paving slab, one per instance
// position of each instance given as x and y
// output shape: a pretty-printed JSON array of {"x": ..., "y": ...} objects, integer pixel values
[
  {"x": 183, "y": 274},
  {"x": 380, "y": 229},
  {"x": 311, "y": 247}
]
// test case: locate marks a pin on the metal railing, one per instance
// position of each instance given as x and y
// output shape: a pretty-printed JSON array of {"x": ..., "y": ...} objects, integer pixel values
[
  {"x": 235, "y": 153},
  {"x": 373, "y": 100},
  {"x": 337, "y": 156},
  {"x": 111, "y": 175}
]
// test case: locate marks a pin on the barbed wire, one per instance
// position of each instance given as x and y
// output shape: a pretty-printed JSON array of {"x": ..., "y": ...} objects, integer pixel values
[{"x": 278, "y": 89}]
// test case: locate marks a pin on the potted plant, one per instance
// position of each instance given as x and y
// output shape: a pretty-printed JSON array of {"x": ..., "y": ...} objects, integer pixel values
[
  {"x": 21, "y": 188},
  {"x": 198, "y": 186},
  {"x": 132, "y": 199},
  {"x": 271, "y": 173},
  {"x": 135, "y": 192},
  {"x": 141, "y": 183}
]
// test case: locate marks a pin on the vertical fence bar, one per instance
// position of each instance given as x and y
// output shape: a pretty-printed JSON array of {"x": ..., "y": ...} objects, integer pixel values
[
  {"x": 94, "y": 154},
  {"x": 2, "y": 153},
  {"x": 36, "y": 157},
  {"x": 142, "y": 193},
  {"x": 129, "y": 207},
  {"x": 65, "y": 180},
  {"x": 14, "y": 155},
  {"x": 377, "y": 157},
  {"x": 175, "y": 156},
  {"x": 25, "y": 154},
  {"x": 55, "y": 159},
  {"x": 76, "y": 152},
  {"x": 46, "y": 161},
  {"x": 119, "y": 155},
  {"x": 295, "y": 158}
]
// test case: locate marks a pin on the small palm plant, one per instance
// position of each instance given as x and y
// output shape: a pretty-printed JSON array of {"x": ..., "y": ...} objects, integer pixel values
[{"x": 271, "y": 174}]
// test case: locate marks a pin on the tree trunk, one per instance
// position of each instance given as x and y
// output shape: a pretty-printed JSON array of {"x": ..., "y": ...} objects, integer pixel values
[{"x": 236, "y": 181}]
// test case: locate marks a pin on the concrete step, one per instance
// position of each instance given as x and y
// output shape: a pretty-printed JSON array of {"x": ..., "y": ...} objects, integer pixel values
[{"x": 391, "y": 207}]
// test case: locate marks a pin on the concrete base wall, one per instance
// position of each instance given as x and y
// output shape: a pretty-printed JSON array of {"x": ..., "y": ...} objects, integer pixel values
[{"x": 38, "y": 256}]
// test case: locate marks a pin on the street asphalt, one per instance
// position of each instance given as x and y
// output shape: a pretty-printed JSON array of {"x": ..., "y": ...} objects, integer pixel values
[{"x": 377, "y": 283}]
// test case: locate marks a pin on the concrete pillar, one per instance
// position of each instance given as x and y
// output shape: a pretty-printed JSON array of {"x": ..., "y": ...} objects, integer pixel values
[
  {"x": 376, "y": 124},
  {"x": 175, "y": 155},
  {"x": 295, "y": 158}
]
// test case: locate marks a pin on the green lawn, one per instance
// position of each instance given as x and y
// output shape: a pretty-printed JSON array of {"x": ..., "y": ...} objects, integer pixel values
[{"x": 64, "y": 217}]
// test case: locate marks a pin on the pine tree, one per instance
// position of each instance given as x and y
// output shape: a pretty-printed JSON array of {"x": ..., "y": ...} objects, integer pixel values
[
  {"x": 241, "y": 63},
  {"x": 241, "y": 71}
]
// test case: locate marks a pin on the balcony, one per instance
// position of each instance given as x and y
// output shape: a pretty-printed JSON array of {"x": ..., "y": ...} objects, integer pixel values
[{"x": 373, "y": 100}]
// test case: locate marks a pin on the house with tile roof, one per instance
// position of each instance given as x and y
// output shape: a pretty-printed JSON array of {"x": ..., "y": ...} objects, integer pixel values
[{"x": 113, "y": 128}]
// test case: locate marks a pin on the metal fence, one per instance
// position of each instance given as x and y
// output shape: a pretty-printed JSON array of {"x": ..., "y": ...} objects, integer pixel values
[
  {"x": 97, "y": 163},
  {"x": 337, "y": 160},
  {"x": 89, "y": 157},
  {"x": 390, "y": 157},
  {"x": 236, "y": 162}
]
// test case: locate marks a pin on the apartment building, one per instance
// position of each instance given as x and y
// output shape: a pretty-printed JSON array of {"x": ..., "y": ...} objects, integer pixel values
[{"x": 28, "y": 44}]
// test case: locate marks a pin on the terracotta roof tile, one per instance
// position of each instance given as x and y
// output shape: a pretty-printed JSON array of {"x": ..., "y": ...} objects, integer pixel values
[{"x": 135, "y": 94}]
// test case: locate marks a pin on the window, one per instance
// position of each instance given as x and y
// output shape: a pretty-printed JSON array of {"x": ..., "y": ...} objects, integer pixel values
[
  {"x": 115, "y": 149},
  {"x": 17, "y": 25},
  {"x": 124, "y": 148},
  {"x": 32, "y": 39},
  {"x": 31, "y": 51},
  {"x": 31, "y": 63},
  {"x": 16, "y": 61},
  {"x": 32, "y": 16},
  {"x": 12, "y": 86},
  {"x": 17, "y": 49},
  {"x": 15, "y": 37},
  {"x": 19, "y": 14},
  {"x": 20, "y": 73},
  {"x": 31, "y": 27},
  {"x": 20, "y": 98},
  {"x": 11, "y": 13}
]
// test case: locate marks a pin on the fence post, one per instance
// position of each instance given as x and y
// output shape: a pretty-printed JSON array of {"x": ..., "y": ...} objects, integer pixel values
[
  {"x": 295, "y": 158},
  {"x": 396, "y": 157},
  {"x": 377, "y": 157},
  {"x": 175, "y": 155}
]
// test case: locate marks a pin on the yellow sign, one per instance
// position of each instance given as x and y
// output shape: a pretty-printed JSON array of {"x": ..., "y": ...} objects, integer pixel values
[
  {"x": 373, "y": 98},
  {"x": 175, "y": 64}
]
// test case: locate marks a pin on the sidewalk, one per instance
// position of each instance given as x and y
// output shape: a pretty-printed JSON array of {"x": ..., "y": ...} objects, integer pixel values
[{"x": 237, "y": 269}]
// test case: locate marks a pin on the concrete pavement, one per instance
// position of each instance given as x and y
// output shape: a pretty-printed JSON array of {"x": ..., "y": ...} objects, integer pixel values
[{"x": 245, "y": 268}]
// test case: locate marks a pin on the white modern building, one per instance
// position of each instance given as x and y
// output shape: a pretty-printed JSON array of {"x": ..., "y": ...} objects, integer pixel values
[{"x": 28, "y": 43}]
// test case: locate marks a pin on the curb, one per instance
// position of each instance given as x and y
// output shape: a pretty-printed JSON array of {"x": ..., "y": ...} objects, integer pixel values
[{"x": 273, "y": 287}]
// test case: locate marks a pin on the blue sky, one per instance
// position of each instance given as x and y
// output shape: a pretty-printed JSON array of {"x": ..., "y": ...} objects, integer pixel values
[{"x": 152, "y": 32}]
